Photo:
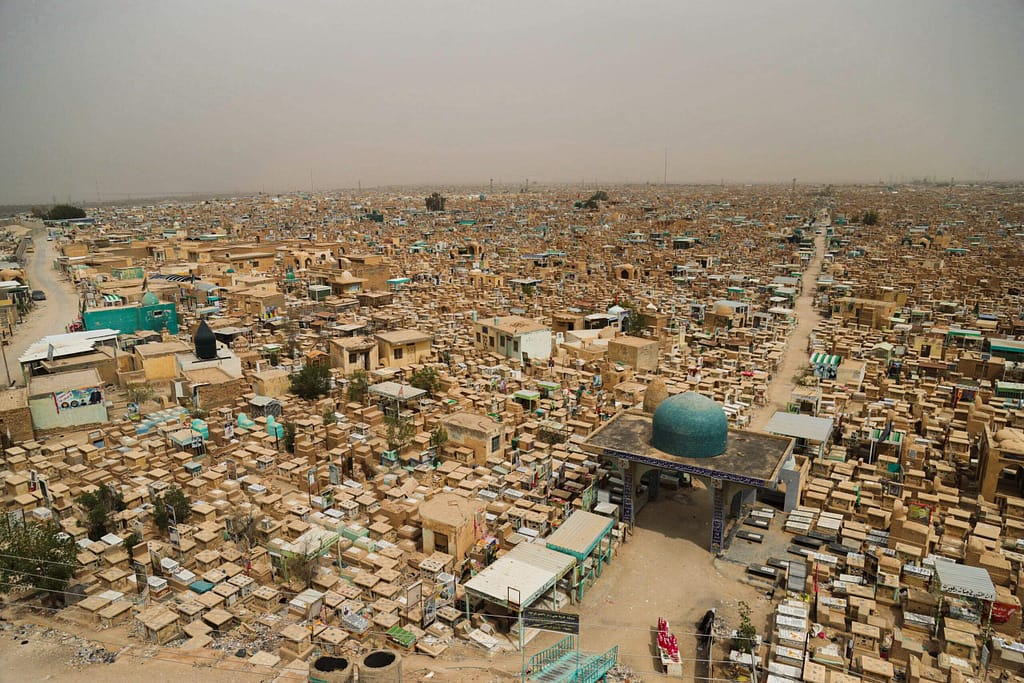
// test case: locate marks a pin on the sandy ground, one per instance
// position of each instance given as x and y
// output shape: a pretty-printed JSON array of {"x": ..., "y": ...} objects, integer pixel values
[
  {"x": 49, "y": 316},
  {"x": 663, "y": 570},
  {"x": 796, "y": 347}
]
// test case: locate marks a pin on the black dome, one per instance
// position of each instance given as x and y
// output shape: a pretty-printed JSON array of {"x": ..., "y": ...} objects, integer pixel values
[{"x": 206, "y": 343}]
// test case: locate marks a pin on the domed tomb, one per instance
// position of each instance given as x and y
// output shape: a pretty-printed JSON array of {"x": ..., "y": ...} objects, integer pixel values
[
  {"x": 656, "y": 393},
  {"x": 689, "y": 425},
  {"x": 206, "y": 343},
  {"x": 149, "y": 299}
]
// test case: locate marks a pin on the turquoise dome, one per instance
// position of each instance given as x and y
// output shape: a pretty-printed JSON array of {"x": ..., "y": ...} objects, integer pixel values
[
  {"x": 149, "y": 299},
  {"x": 689, "y": 425}
]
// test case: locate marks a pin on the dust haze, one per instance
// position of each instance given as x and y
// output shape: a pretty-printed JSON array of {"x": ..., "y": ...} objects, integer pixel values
[{"x": 103, "y": 100}]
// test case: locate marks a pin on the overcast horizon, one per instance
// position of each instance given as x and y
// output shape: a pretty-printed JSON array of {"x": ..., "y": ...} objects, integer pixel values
[{"x": 102, "y": 100}]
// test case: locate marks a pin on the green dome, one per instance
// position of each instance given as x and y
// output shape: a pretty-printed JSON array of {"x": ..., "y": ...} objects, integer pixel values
[
  {"x": 149, "y": 299},
  {"x": 689, "y": 425}
]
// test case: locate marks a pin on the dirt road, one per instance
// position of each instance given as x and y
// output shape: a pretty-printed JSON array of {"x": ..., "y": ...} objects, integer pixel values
[
  {"x": 796, "y": 348},
  {"x": 49, "y": 316}
]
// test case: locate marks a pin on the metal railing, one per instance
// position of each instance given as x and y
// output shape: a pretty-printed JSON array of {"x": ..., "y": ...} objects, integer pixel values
[
  {"x": 596, "y": 667},
  {"x": 547, "y": 657}
]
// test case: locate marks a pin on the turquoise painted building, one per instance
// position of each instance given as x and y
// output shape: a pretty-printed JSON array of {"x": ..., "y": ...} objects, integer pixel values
[{"x": 148, "y": 315}]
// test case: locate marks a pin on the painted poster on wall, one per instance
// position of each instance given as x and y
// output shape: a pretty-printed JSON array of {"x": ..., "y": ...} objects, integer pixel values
[{"x": 77, "y": 398}]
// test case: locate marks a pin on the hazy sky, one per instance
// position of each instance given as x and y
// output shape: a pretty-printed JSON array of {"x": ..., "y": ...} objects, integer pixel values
[{"x": 172, "y": 96}]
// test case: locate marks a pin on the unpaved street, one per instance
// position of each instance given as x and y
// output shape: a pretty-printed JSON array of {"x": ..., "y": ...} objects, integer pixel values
[
  {"x": 796, "y": 348},
  {"x": 50, "y": 316}
]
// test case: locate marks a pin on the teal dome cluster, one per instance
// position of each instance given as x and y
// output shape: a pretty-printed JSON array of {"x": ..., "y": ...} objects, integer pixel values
[{"x": 689, "y": 425}]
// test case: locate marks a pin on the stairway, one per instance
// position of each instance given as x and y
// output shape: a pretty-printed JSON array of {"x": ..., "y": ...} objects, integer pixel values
[{"x": 562, "y": 664}]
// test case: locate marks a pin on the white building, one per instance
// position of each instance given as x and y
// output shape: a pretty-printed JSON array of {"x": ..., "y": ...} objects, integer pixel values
[{"x": 514, "y": 337}]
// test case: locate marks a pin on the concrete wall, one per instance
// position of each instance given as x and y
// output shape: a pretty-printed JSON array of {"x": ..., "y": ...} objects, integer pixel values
[
  {"x": 412, "y": 354},
  {"x": 160, "y": 367},
  {"x": 19, "y": 422},
  {"x": 273, "y": 385},
  {"x": 45, "y": 415},
  {"x": 639, "y": 357},
  {"x": 217, "y": 395},
  {"x": 129, "y": 319},
  {"x": 537, "y": 345}
]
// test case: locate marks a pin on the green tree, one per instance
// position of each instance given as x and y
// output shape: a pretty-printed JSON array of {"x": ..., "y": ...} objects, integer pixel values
[
  {"x": 426, "y": 379},
  {"x": 592, "y": 203},
  {"x": 438, "y": 437},
  {"x": 291, "y": 335},
  {"x": 330, "y": 417},
  {"x": 133, "y": 540},
  {"x": 37, "y": 555},
  {"x": 139, "y": 392},
  {"x": 62, "y": 212},
  {"x": 177, "y": 499},
  {"x": 311, "y": 382},
  {"x": 289, "y": 436},
  {"x": 633, "y": 323},
  {"x": 241, "y": 528},
  {"x": 358, "y": 384},
  {"x": 870, "y": 217},
  {"x": 435, "y": 202},
  {"x": 399, "y": 432},
  {"x": 746, "y": 634},
  {"x": 100, "y": 506}
]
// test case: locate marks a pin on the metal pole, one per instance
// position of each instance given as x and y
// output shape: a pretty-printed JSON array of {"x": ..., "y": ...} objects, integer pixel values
[
  {"x": 3, "y": 351},
  {"x": 522, "y": 649},
  {"x": 577, "y": 676}
]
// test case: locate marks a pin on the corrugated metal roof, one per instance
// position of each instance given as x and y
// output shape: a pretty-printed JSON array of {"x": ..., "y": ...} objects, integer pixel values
[
  {"x": 67, "y": 344},
  {"x": 529, "y": 570},
  {"x": 580, "y": 533},
  {"x": 961, "y": 579}
]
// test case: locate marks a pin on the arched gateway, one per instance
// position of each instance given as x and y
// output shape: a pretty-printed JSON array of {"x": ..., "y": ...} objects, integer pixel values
[{"x": 689, "y": 433}]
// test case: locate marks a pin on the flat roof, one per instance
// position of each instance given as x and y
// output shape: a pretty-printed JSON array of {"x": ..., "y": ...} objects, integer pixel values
[
  {"x": 751, "y": 458},
  {"x": 468, "y": 420},
  {"x": 513, "y": 324},
  {"x": 402, "y": 336},
  {"x": 580, "y": 534},
  {"x": 1007, "y": 345},
  {"x": 161, "y": 348},
  {"x": 800, "y": 426},
  {"x": 11, "y": 399},
  {"x": 86, "y": 378},
  {"x": 405, "y": 392},
  {"x": 626, "y": 340},
  {"x": 529, "y": 570}
]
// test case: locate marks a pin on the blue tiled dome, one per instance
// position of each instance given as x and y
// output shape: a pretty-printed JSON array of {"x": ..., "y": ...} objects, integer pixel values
[{"x": 689, "y": 425}]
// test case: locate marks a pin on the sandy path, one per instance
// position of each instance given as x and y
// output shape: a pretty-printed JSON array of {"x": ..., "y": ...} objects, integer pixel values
[
  {"x": 49, "y": 316},
  {"x": 796, "y": 355}
]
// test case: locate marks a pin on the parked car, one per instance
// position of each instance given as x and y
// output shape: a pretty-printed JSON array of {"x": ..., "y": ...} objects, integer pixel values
[{"x": 38, "y": 295}]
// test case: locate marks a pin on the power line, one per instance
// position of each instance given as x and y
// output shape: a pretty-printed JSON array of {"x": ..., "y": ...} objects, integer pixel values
[
  {"x": 126, "y": 651},
  {"x": 632, "y": 655}
]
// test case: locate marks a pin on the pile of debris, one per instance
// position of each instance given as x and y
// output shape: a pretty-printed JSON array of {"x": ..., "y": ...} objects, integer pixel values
[{"x": 620, "y": 673}]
